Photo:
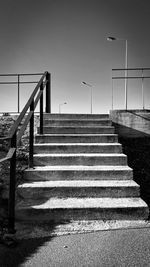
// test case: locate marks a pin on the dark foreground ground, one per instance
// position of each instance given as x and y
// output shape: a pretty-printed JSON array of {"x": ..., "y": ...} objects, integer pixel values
[
  {"x": 115, "y": 248},
  {"x": 138, "y": 152}
]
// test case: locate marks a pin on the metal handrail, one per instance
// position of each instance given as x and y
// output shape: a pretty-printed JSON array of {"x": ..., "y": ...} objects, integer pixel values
[
  {"x": 21, "y": 74},
  {"x": 142, "y": 77},
  {"x": 131, "y": 77},
  {"x": 131, "y": 69},
  {"x": 9, "y": 155},
  {"x": 15, "y": 135},
  {"x": 17, "y": 82}
]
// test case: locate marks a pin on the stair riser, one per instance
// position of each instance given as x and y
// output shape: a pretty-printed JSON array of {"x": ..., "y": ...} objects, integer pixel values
[
  {"x": 59, "y": 199},
  {"x": 77, "y": 175},
  {"x": 77, "y": 123},
  {"x": 77, "y": 149},
  {"x": 78, "y": 130},
  {"x": 76, "y": 139},
  {"x": 57, "y": 215},
  {"x": 38, "y": 195},
  {"x": 79, "y": 160},
  {"x": 76, "y": 116}
]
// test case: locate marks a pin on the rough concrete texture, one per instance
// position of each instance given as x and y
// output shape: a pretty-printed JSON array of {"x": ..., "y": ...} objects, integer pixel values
[
  {"x": 76, "y": 122},
  {"x": 78, "y": 129},
  {"x": 78, "y": 148},
  {"x": 83, "y": 208},
  {"x": 76, "y": 138},
  {"x": 98, "y": 185},
  {"x": 80, "y": 159},
  {"x": 30, "y": 230},
  {"x": 83, "y": 188},
  {"x": 131, "y": 123},
  {"x": 74, "y": 116},
  {"x": 78, "y": 173}
]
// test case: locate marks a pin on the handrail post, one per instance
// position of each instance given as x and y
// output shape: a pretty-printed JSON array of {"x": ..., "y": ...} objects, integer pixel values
[
  {"x": 11, "y": 202},
  {"x": 142, "y": 89},
  {"x": 112, "y": 95},
  {"x": 126, "y": 75},
  {"x": 18, "y": 93},
  {"x": 41, "y": 110},
  {"x": 48, "y": 93},
  {"x": 31, "y": 136}
]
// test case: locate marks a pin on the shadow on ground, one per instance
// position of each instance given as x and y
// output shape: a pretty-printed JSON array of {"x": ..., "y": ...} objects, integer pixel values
[
  {"x": 25, "y": 247},
  {"x": 138, "y": 152},
  {"x": 16, "y": 256}
]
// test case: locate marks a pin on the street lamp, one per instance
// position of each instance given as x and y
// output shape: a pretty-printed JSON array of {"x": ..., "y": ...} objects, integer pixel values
[
  {"x": 89, "y": 85},
  {"x": 61, "y": 105},
  {"x": 126, "y": 63}
]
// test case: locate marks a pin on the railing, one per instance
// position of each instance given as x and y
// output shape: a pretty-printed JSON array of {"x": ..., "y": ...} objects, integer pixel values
[
  {"x": 126, "y": 77},
  {"x": 15, "y": 134},
  {"x": 18, "y": 82}
]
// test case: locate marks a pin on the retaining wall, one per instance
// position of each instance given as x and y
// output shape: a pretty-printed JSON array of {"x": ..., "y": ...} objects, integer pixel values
[{"x": 131, "y": 123}]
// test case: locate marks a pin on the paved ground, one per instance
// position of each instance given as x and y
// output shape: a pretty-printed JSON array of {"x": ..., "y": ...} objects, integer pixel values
[{"x": 111, "y": 248}]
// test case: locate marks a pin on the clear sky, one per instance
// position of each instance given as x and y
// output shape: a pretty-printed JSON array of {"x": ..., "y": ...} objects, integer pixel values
[{"x": 68, "y": 38}]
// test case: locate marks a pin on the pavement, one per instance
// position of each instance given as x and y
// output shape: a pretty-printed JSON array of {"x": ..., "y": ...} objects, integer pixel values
[{"x": 104, "y": 248}]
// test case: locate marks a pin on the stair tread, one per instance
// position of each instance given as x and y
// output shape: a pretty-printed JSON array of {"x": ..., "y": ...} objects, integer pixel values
[
  {"x": 77, "y": 144},
  {"x": 87, "y": 190},
  {"x": 80, "y": 155},
  {"x": 76, "y": 134},
  {"x": 78, "y": 119},
  {"x": 80, "y": 183},
  {"x": 83, "y": 203},
  {"x": 80, "y": 168},
  {"x": 84, "y": 126}
]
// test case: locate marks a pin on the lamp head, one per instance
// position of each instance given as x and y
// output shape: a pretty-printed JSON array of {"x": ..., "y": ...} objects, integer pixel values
[
  {"x": 87, "y": 84},
  {"x": 110, "y": 38}
]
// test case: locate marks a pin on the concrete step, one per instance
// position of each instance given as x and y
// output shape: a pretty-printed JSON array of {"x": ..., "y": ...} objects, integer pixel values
[
  {"x": 57, "y": 209},
  {"x": 76, "y": 138},
  {"x": 78, "y": 130},
  {"x": 64, "y": 116},
  {"x": 76, "y": 122},
  {"x": 37, "y": 191},
  {"x": 90, "y": 159},
  {"x": 78, "y": 172},
  {"x": 78, "y": 148}
]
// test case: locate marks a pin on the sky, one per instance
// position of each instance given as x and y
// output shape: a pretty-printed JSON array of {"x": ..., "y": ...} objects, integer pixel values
[{"x": 68, "y": 38}]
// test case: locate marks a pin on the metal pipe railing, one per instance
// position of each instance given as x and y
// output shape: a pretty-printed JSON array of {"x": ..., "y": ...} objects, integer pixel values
[
  {"x": 15, "y": 135},
  {"x": 142, "y": 77}
]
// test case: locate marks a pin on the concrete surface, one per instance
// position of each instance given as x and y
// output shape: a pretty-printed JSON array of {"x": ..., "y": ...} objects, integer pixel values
[
  {"x": 78, "y": 129},
  {"x": 76, "y": 138},
  {"x": 57, "y": 209},
  {"x": 46, "y": 203},
  {"x": 88, "y": 159},
  {"x": 77, "y": 122},
  {"x": 75, "y": 116},
  {"x": 117, "y": 248},
  {"x": 79, "y": 188},
  {"x": 131, "y": 123},
  {"x": 78, "y": 148},
  {"x": 78, "y": 172}
]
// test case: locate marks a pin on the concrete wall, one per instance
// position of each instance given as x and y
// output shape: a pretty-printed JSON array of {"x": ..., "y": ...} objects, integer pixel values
[{"x": 131, "y": 123}]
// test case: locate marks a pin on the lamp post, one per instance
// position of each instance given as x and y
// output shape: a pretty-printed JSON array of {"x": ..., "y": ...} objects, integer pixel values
[
  {"x": 126, "y": 63},
  {"x": 61, "y": 105},
  {"x": 89, "y": 85}
]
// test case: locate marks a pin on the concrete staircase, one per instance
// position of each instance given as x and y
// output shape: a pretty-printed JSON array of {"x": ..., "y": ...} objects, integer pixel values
[{"x": 79, "y": 173}]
